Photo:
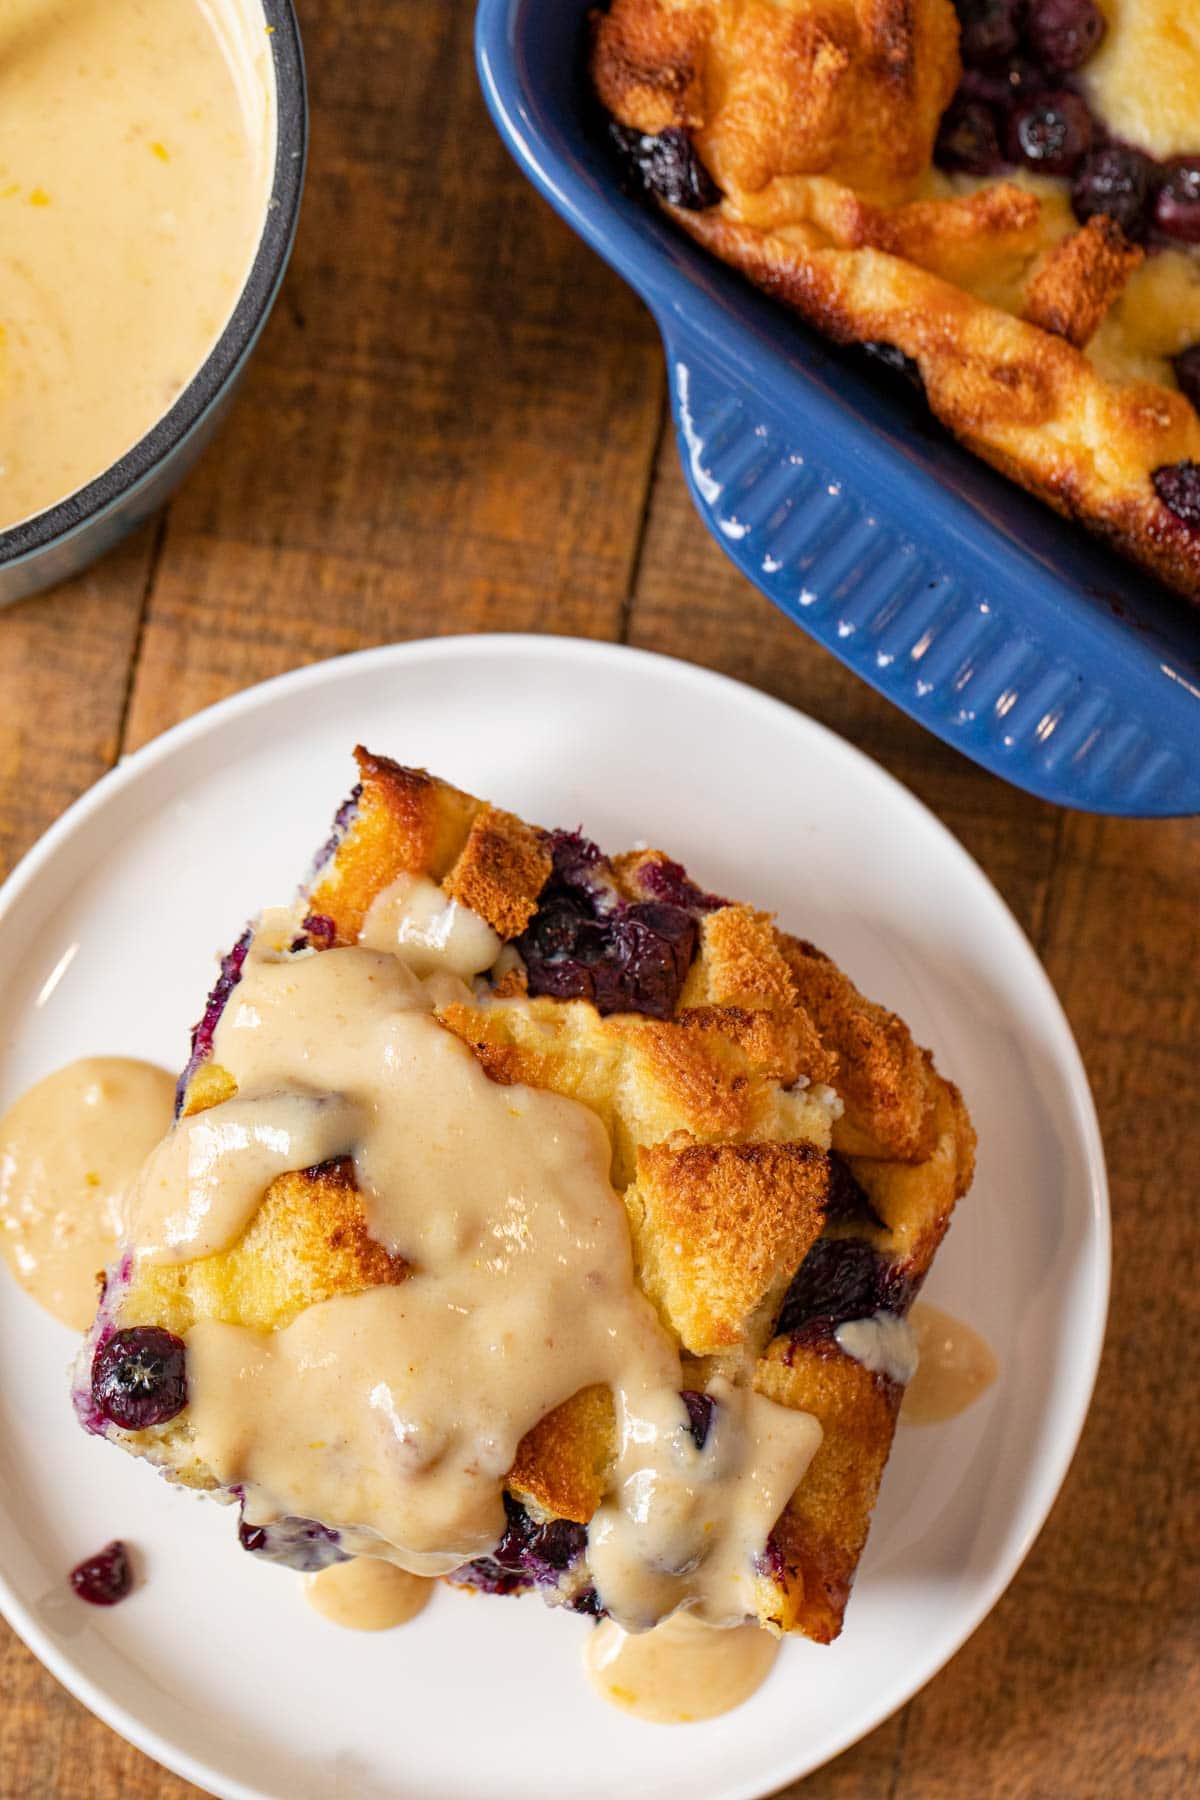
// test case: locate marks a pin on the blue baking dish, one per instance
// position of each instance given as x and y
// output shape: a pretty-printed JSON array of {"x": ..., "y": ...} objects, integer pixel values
[{"x": 1009, "y": 632}]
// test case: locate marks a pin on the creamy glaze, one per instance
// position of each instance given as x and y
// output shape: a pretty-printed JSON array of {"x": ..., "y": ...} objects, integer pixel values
[
  {"x": 1144, "y": 80},
  {"x": 393, "y": 1415},
  {"x": 956, "y": 1367},
  {"x": 136, "y": 148},
  {"x": 883, "y": 1343},
  {"x": 680, "y": 1672},
  {"x": 69, "y": 1149},
  {"x": 414, "y": 920},
  {"x": 365, "y": 1594}
]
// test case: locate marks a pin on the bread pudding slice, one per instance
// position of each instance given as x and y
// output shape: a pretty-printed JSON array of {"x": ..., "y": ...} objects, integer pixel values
[
  {"x": 1001, "y": 198},
  {"x": 535, "y": 1218}
]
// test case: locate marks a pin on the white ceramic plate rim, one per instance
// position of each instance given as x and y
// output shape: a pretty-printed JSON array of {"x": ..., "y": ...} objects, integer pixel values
[{"x": 1046, "y": 1475}]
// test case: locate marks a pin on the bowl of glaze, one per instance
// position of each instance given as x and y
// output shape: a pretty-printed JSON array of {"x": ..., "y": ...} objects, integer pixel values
[
  {"x": 1007, "y": 631},
  {"x": 113, "y": 451}
]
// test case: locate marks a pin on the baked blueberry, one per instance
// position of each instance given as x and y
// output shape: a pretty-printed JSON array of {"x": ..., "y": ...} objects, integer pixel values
[
  {"x": 139, "y": 1377},
  {"x": 1177, "y": 203},
  {"x": 105, "y": 1578},
  {"x": 203, "y": 1032},
  {"x": 1118, "y": 181},
  {"x": 1187, "y": 373},
  {"x": 840, "y": 1279},
  {"x": 969, "y": 139},
  {"x": 585, "y": 942},
  {"x": 668, "y": 165},
  {"x": 987, "y": 29},
  {"x": 1063, "y": 33},
  {"x": 1052, "y": 134},
  {"x": 1178, "y": 487},
  {"x": 700, "y": 1408}
]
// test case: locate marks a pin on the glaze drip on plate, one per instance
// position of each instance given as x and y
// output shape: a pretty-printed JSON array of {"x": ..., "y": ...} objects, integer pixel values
[{"x": 70, "y": 1148}]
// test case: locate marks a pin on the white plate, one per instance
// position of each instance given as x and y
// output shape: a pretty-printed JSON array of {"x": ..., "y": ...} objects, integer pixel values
[{"x": 216, "y": 1666}]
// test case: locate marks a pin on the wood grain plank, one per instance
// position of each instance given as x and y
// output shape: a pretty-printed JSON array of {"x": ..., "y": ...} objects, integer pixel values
[
  {"x": 1086, "y": 1680},
  {"x": 65, "y": 666},
  {"x": 450, "y": 422}
]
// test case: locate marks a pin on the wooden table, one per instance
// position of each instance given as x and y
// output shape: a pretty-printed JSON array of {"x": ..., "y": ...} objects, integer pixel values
[{"x": 457, "y": 422}]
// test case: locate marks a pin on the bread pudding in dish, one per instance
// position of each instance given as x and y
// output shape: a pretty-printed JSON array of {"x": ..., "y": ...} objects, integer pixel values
[
  {"x": 537, "y": 1219},
  {"x": 1000, "y": 198}
]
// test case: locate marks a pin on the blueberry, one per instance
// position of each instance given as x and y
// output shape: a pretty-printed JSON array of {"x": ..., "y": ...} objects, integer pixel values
[
  {"x": 582, "y": 868},
  {"x": 1118, "y": 181},
  {"x": 585, "y": 943},
  {"x": 343, "y": 818},
  {"x": 669, "y": 881},
  {"x": 1002, "y": 85},
  {"x": 667, "y": 165},
  {"x": 1178, "y": 487},
  {"x": 105, "y": 1578},
  {"x": 299, "y": 1544},
  {"x": 894, "y": 359},
  {"x": 539, "y": 1550},
  {"x": 968, "y": 139},
  {"x": 650, "y": 949},
  {"x": 1187, "y": 373},
  {"x": 840, "y": 1279},
  {"x": 203, "y": 1033},
  {"x": 1052, "y": 133},
  {"x": 1177, "y": 206},
  {"x": 987, "y": 29},
  {"x": 1063, "y": 33},
  {"x": 700, "y": 1408},
  {"x": 320, "y": 930},
  {"x": 528, "y": 1555},
  {"x": 846, "y": 1203},
  {"x": 139, "y": 1377}
]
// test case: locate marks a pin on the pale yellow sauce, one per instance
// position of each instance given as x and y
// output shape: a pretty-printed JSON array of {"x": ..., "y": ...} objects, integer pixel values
[
  {"x": 69, "y": 1150},
  {"x": 413, "y": 919},
  {"x": 393, "y": 1415},
  {"x": 136, "y": 151},
  {"x": 1144, "y": 80},
  {"x": 956, "y": 1366},
  {"x": 366, "y": 1594},
  {"x": 680, "y": 1672}
]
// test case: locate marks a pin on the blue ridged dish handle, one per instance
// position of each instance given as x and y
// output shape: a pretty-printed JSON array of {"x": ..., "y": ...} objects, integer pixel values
[{"x": 1005, "y": 630}]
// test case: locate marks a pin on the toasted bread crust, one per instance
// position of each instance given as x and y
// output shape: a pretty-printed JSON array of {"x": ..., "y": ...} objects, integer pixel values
[
  {"x": 563, "y": 1463},
  {"x": 503, "y": 867},
  {"x": 887, "y": 1082},
  {"x": 307, "y": 1242},
  {"x": 915, "y": 1201},
  {"x": 718, "y": 1229},
  {"x": 406, "y": 822},
  {"x": 1079, "y": 280},
  {"x": 818, "y": 1541},
  {"x": 852, "y": 89}
]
